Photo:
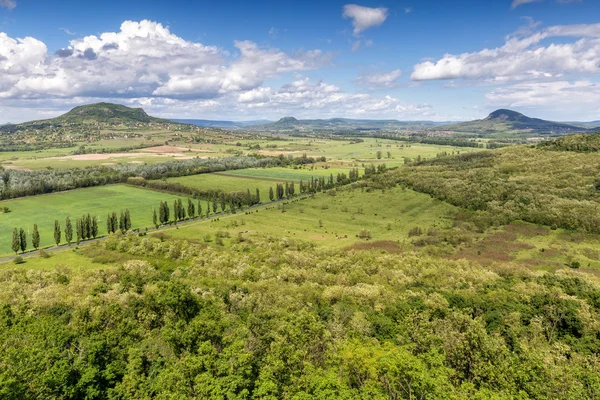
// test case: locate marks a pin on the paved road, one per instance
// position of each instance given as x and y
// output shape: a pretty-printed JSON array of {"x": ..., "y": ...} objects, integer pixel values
[{"x": 163, "y": 227}]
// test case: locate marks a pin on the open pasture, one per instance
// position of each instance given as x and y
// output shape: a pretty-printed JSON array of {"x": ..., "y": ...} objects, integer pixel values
[
  {"x": 335, "y": 221},
  {"x": 97, "y": 201}
]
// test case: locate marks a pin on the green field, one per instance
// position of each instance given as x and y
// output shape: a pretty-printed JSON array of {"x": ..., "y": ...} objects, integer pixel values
[
  {"x": 387, "y": 216},
  {"x": 290, "y": 174},
  {"x": 98, "y": 201}
]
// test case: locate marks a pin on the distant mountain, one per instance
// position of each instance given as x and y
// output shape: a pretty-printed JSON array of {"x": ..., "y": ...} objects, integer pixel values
[
  {"x": 585, "y": 124},
  {"x": 103, "y": 113},
  {"x": 221, "y": 124},
  {"x": 342, "y": 124},
  {"x": 508, "y": 121}
]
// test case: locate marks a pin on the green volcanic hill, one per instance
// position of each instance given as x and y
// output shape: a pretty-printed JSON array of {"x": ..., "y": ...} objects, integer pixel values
[
  {"x": 100, "y": 113},
  {"x": 508, "y": 121}
]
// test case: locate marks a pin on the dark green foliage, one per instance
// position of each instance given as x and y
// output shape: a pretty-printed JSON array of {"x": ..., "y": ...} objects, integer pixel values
[
  {"x": 57, "y": 232},
  {"x": 94, "y": 227},
  {"x": 78, "y": 231},
  {"x": 191, "y": 209},
  {"x": 22, "y": 240},
  {"x": 16, "y": 241},
  {"x": 584, "y": 143},
  {"x": 68, "y": 230},
  {"x": 35, "y": 237}
]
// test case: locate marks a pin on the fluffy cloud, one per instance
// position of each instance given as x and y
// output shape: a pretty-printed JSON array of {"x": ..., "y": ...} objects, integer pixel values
[
  {"x": 364, "y": 18},
  {"x": 556, "y": 93},
  {"x": 380, "y": 79},
  {"x": 142, "y": 59},
  {"x": 523, "y": 58},
  {"x": 306, "y": 98},
  {"x": 10, "y": 4},
  {"x": 556, "y": 100}
]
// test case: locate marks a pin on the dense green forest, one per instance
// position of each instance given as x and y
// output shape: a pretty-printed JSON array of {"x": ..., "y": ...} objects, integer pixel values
[
  {"x": 583, "y": 143},
  {"x": 285, "y": 319},
  {"x": 558, "y": 189}
]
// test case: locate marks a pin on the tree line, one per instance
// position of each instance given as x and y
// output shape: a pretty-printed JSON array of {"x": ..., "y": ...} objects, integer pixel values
[
  {"x": 16, "y": 183},
  {"x": 86, "y": 227}
]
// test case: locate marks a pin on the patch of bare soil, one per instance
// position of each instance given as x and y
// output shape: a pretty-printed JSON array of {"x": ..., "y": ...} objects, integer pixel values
[
  {"x": 174, "y": 149},
  {"x": 497, "y": 246},
  {"x": 527, "y": 229}
]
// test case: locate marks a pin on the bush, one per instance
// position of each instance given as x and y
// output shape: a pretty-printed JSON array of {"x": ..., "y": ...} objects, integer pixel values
[
  {"x": 364, "y": 234},
  {"x": 18, "y": 260},
  {"x": 416, "y": 231},
  {"x": 44, "y": 254}
]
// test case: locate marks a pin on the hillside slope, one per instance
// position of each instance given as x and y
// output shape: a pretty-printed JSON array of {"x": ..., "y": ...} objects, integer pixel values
[
  {"x": 99, "y": 113},
  {"x": 503, "y": 121}
]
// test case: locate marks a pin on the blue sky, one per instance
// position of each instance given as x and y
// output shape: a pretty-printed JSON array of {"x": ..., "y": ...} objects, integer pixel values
[{"x": 408, "y": 60}]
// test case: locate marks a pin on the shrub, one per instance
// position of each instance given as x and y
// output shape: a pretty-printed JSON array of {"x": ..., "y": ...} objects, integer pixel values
[
  {"x": 364, "y": 234},
  {"x": 18, "y": 260},
  {"x": 44, "y": 254},
  {"x": 416, "y": 231}
]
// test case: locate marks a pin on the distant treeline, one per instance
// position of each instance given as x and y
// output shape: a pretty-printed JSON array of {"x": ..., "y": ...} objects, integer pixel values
[
  {"x": 10, "y": 147},
  {"x": 14, "y": 183},
  {"x": 583, "y": 143},
  {"x": 107, "y": 150},
  {"x": 456, "y": 142}
]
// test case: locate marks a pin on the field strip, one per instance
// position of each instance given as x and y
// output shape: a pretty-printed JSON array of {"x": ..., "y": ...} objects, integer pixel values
[{"x": 255, "y": 178}]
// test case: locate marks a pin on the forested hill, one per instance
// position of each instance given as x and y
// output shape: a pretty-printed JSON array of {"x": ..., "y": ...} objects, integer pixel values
[
  {"x": 99, "y": 113},
  {"x": 554, "y": 188},
  {"x": 584, "y": 143},
  {"x": 504, "y": 121}
]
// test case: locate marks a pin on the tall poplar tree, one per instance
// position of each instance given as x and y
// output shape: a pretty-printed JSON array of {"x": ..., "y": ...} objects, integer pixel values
[
  {"x": 68, "y": 231},
  {"x": 22, "y": 240},
  {"x": 94, "y": 231},
  {"x": 16, "y": 241},
  {"x": 35, "y": 237},
  {"x": 191, "y": 209},
  {"x": 57, "y": 232},
  {"x": 78, "y": 230}
]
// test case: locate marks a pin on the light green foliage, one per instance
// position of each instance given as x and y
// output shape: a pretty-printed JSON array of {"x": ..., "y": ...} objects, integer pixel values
[
  {"x": 552, "y": 188},
  {"x": 285, "y": 319}
]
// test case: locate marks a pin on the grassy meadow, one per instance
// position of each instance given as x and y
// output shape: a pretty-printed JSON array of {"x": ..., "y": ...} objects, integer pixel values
[{"x": 98, "y": 201}]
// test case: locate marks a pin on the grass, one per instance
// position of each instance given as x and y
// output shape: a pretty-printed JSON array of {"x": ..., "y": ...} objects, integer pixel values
[
  {"x": 218, "y": 181},
  {"x": 98, "y": 201},
  {"x": 342, "y": 218},
  {"x": 340, "y": 151}
]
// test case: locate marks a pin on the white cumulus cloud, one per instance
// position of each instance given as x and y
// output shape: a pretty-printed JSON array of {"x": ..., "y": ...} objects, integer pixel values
[
  {"x": 142, "y": 59},
  {"x": 364, "y": 18},
  {"x": 523, "y": 58}
]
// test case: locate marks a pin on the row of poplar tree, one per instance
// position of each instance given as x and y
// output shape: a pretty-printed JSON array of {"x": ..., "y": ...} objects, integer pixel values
[
  {"x": 181, "y": 212},
  {"x": 86, "y": 227}
]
